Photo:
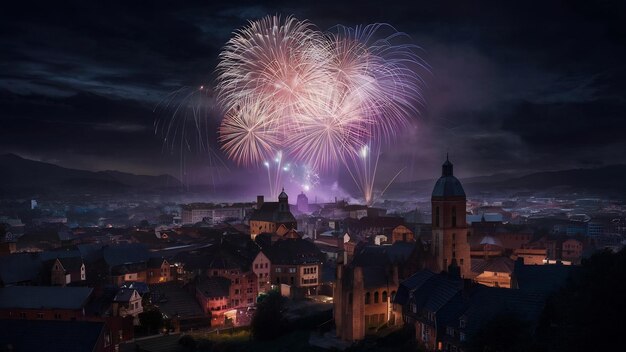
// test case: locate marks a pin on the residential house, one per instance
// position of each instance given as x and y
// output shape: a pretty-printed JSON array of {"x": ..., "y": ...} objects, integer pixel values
[
  {"x": 295, "y": 262},
  {"x": 44, "y": 302},
  {"x": 213, "y": 294},
  {"x": 67, "y": 270},
  {"x": 158, "y": 270},
  {"x": 261, "y": 267},
  {"x": 494, "y": 272},
  {"x": 127, "y": 302}
]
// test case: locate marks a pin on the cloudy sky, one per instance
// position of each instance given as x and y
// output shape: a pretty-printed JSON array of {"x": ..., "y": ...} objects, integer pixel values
[{"x": 536, "y": 85}]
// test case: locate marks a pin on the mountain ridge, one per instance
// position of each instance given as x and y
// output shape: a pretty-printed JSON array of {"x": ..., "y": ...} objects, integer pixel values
[{"x": 18, "y": 175}]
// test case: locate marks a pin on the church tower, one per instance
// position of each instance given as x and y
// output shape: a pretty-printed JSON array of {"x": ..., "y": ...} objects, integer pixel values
[{"x": 449, "y": 242}]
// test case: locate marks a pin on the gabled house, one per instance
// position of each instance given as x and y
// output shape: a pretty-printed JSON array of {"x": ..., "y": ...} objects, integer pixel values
[
  {"x": 424, "y": 301},
  {"x": 127, "y": 302},
  {"x": 65, "y": 271},
  {"x": 261, "y": 267},
  {"x": 295, "y": 262},
  {"x": 158, "y": 270},
  {"x": 126, "y": 263},
  {"x": 494, "y": 272},
  {"x": 213, "y": 294}
]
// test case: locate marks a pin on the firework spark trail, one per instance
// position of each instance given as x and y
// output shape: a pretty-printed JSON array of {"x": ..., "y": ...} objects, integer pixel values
[
  {"x": 185, "y": 127},
  {"x": 321, "y": 98},
  {"x": 249, "y": 134}
]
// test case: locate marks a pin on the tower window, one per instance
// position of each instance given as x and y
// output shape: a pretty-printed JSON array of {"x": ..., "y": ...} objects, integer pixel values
[
  {"x": 437, "y": 216},
  {"x": 453, "y": 216}
]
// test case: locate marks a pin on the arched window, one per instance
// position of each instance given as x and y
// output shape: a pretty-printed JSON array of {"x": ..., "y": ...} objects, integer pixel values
[
  {"x": 367, "y": 298},
  {"x": 453, "y": 216},
  {"x": 385, "y": 296},
  {"x": 437, "y": 216},
  {"x": 376, "y": 297}
]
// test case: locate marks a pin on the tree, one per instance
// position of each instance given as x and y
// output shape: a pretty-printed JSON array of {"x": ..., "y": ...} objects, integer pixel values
[
  {"x": 151, "y": 321},
  {"x": 269, "y": 321},
  {"x": 588, "y": 314},
  {"x": 503, "y": 333}
]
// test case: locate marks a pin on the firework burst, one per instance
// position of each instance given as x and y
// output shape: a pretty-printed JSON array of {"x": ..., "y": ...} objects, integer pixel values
[{"x": 317, "y": 97}]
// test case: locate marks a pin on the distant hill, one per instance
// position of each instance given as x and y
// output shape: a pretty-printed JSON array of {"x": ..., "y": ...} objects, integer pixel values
[
  {"x": 608, "y": 180},
  {"x": 21, "y": 176}
]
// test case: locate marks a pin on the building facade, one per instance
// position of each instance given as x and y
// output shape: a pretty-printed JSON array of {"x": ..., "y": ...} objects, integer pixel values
[{"x": 269, "y": 216}]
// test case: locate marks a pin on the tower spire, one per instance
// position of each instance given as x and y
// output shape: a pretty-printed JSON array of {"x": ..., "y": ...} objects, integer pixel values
[{"x": 446, "y": 168}]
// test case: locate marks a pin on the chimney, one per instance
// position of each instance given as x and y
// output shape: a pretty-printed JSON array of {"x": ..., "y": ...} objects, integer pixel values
[{"x": 259, "y": 202}]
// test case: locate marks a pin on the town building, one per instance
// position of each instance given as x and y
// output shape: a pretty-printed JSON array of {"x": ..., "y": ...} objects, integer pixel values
[
  {"x": 269, "y": 216},
  {"x": 44, "y": 302},
  {"x": 302, "y": 203},
  {"x": 211, "y": 213},
  {"x": 572, "y": 250},
  {"x": 450, "y": 232},
  {"x": 261, "y": 266},
  {"x": 213, "y": 294},
  {"x": 294, "y": 262},
  {"x": 494, "y": 272},
  {"x": 127, "y": 302},
  {"x": 67, "y": 270},
  {"x": 365, "y": 287},
  {"x": 402, "y": 233},
  {"x": 158, "y": 270}
]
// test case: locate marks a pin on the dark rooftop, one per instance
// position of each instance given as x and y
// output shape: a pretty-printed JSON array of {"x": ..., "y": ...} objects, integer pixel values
[
  {"x": 214, "y": 286},
  {"x": 293, "y": 251},
  {"x": 50, "y": 335},
  {"x": 36, "y": 297}
]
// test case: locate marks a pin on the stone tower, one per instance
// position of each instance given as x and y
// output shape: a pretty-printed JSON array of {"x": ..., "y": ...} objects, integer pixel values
[{"x": 449, "y": 241}]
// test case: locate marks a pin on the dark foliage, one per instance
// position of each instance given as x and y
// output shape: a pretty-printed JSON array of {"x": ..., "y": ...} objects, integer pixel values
[
  {"x": 151, "y": 321},
  {"x": 269, "y": 321},
  {"x": 504, "y": 333},
  {"x": 588, "y": 314}
]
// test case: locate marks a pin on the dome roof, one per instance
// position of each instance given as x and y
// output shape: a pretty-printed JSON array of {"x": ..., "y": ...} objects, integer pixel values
[
  {"x": 282, "y": 195},
  {"x": 448, "y": 185}
]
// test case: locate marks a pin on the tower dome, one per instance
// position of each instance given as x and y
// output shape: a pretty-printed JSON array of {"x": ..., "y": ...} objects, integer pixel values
[
  {"x": 448, "y": 185},
  {"x": 282, "y": 195}
]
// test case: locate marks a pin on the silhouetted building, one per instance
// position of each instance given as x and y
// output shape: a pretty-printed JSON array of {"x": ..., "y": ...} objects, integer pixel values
[
  {"x": 449, "y": 238},
  {"x": 303, "y": 203}
]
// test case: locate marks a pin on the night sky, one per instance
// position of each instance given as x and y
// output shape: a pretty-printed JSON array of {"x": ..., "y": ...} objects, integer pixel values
[{"x": 537, "y": 85}]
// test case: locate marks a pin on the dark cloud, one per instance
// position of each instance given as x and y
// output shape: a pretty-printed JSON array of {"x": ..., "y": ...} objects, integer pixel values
[{"x": 518, "y": 86}]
